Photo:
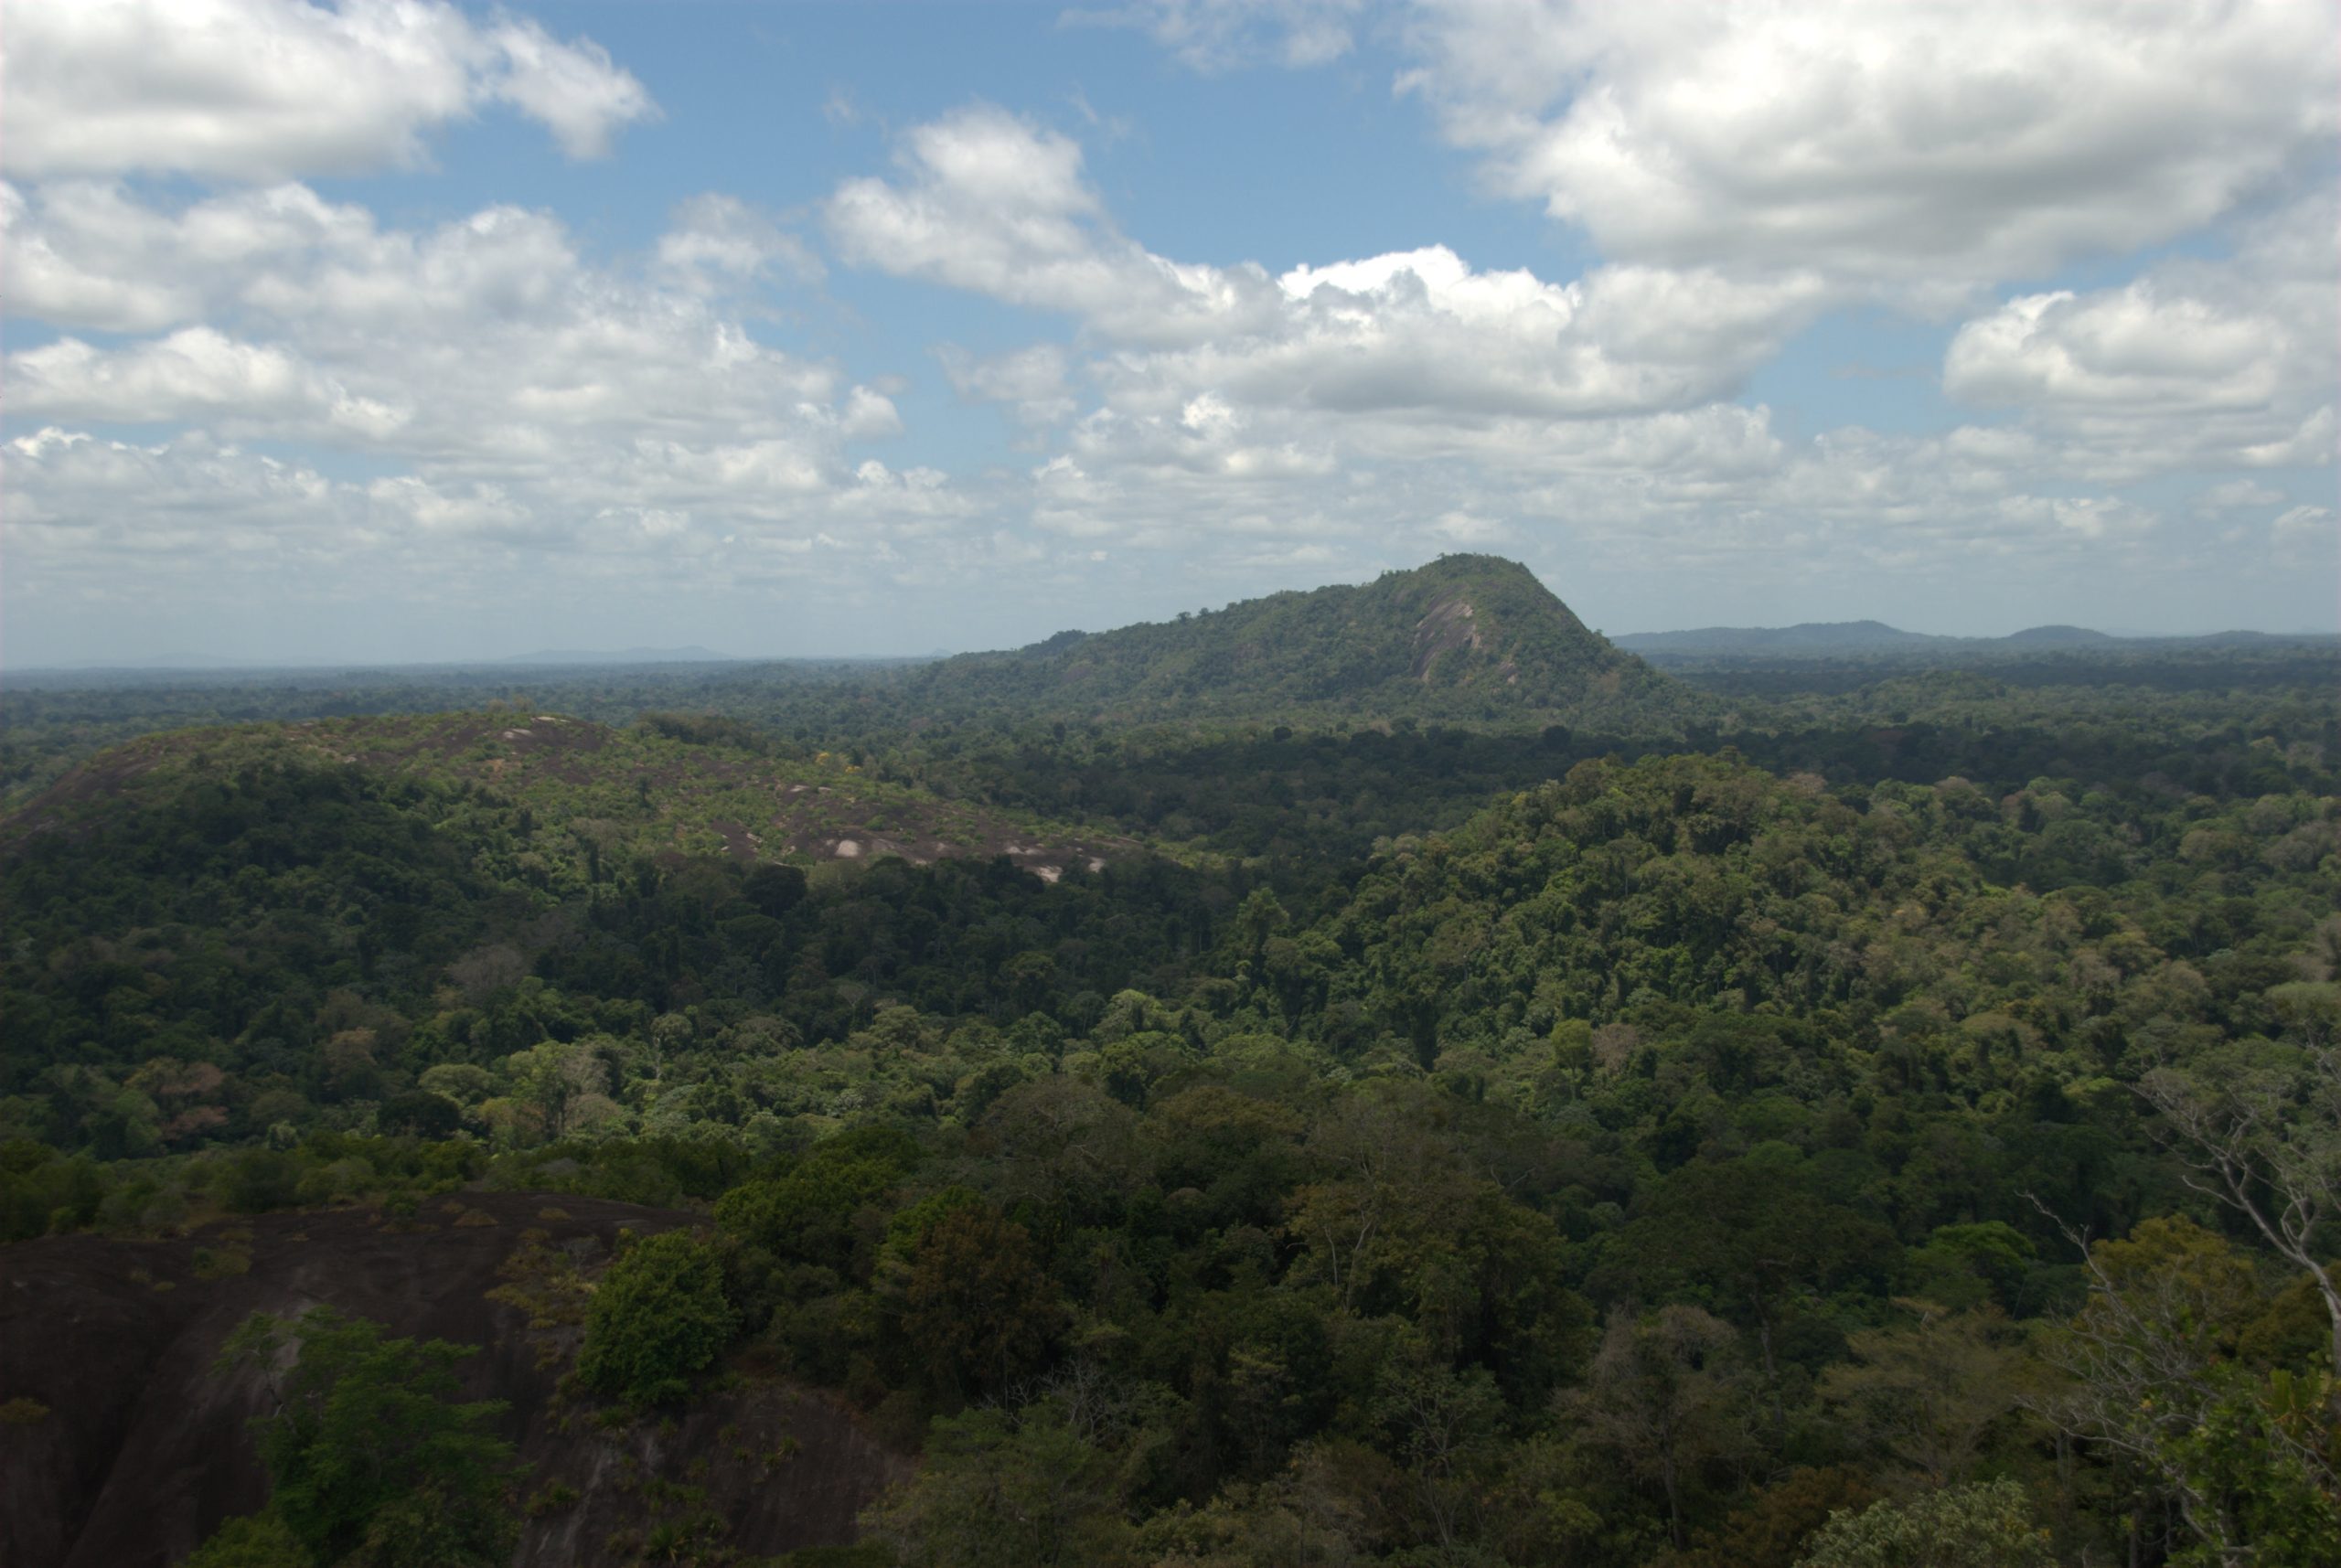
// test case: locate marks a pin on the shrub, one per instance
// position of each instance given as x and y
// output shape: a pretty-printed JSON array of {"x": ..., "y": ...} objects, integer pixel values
[
  {"x": 258, "y": 1179},
  {"x": 422, "y": 1113},
  {"x": 658, "y": 1318},
  {"x": 975, "y": 1304},
  {"x": 371, "y": 1460},
  {"x": 251, "y": 1540}
]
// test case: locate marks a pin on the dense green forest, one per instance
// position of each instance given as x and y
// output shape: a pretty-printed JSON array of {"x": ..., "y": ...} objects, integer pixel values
[{"x": 1260, "y": 1092}]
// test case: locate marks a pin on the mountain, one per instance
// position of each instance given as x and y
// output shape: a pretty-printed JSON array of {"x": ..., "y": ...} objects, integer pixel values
[
  {"x": 1471, "y": 637},
  {"x": 2243, "y": 639},
  {"x": 2055, "y": 638},
  {"x": 1854, "y": 639},
  {"x": 1808, "y": 637},
  {"x": 692, "y": 655}
]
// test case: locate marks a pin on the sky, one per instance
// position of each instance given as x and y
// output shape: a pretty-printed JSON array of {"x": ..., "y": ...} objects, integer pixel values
[{"x": 407, "y": 331}]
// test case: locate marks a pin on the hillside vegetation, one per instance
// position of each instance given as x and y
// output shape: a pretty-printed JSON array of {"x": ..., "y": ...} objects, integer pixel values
[
  {"x": 1401, "y": 1137},
  {"x": 1467, "y": 636},
  {"x": 569, "y": 795}
]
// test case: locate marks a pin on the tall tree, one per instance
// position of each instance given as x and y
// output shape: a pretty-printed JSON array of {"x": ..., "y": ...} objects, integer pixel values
[
  {"x": 2246, "y": 1456},
  {"x": 1927, "y": 1394},
  {"x": 1985, "y": 1526},
  {"x": 1661, "y": 1399},
  {"x": 2266, "y": 1141},
  {"x": 360, "y": 1425},
  {"x": 657, "y": 1318},
  {"x": 974, "y": 1303}
]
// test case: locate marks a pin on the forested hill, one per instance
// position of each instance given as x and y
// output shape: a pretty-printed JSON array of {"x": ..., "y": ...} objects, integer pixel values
[
  {"x": 1468, "y": 637},
  {"x": 557, "y": 802}
]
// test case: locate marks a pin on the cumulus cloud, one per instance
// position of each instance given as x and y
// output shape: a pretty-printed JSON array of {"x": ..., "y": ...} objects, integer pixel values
[
  {"x": 1031, "y": 381},
  {"x": 1473, "y": 532},
  {"x": 2120, "y": 348},
  {"x": 1931, "y": 147},
  {"x": 1400, "y": 394},
  {"x": 1710, "y": 500},
  {"x": 294, "y": 386},
  {"x": 80, "y": 507},
  {"x": 2225, "y": 361},
  {"x": 2299, "y": 527},
  {"x": 266, "y": 90},
  {"x": 90, "y": 255},
  {"x": 994, "y": 205},
  {"x": 501, "y": 339},
  {"x": 195, "y": 373},
  {"x": 572, "y": 89},
  {"x": 415, "y": 507},
  {"x": 1421, "y": 330},
  {"x": 2236, "y": 494},
  {"x": 517, "y": 390},
  {"x": 1374, "y": 408},
  {"x": 719, "y": 241},
  {"x": 1221, "y": 35}
]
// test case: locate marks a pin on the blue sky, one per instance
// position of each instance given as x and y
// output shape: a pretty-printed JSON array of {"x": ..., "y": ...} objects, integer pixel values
[{"x": 369, "y": 332}]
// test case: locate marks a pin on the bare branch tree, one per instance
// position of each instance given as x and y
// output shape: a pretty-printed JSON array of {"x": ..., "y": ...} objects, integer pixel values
[
  {"x": 2267, "y": 1144},
  {"x": 2135, "y": 1378},
  {"x": 2148, "y": 1363}
]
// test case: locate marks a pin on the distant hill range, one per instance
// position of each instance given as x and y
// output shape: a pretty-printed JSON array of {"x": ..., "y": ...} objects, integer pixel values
[
  {"x": 1822, "y": 639},
  {"x": 1469, "y": 637},
  {"x": 692, "y": 654}
]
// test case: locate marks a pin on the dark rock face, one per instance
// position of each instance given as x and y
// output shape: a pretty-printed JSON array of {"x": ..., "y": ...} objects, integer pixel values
[{"x": 144, "y": 1447}]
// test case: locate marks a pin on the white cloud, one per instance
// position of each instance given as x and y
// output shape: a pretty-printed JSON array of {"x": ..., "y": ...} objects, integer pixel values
[
  {"x": 1382, "y": 406},
  {"x": 1709, "y": 500},
  {"x": 1033, "y": 381},
  {"x": 416, "y": 507},
  {"x": 1475, "y": 532},
  {"x": 89, "y": 254},
  {"x": 2203, "y": 362},
  {"x": 482, "y": 413},
  {"x": 572, "y": 89},
  {"x": 265, "y": 90},
  {"x": 996, "y": 205},
  {"x": 718, "y": 241},
  {"x": 2118, "y": 348},
  {"x": 1221, "y": 35},
  {"x": 515, "y": 393},
  {"x": 501, "y": 340},
  {"x": 1423, "y": 331},
  {"x": 1929, "y": 146},
  {"x": 78, "y": 502},
  {"x": 2236, "y": 494},
  {"x": 196, "y": 373},
  {"x": 2305, "y": 523}
]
